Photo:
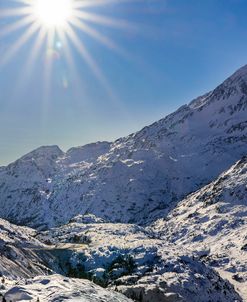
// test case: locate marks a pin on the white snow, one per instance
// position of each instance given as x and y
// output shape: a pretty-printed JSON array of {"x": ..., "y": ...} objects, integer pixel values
[
  {"x": 147, "y": 215},
  {"x": 212, "y": 224},
  {"x": 56, "y": 288},
  {"x": 169, "y": 159}
]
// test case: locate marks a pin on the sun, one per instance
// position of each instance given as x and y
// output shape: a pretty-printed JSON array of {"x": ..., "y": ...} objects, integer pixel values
[
  {"x": 57, "y": 28},
  {"x": 53, "y": 13}
]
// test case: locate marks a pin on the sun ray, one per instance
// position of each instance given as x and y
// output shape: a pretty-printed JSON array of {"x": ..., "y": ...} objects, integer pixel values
[
  {"x": 80, "y": 47},
  {"x": 99, "y": 37},
  {"x": 47, "y": 73},
  {"x": 19, "y": 43},
  {"x": 35, "y": 50},
  {"x": 48, "y": 61},
  {"x": 17, "y": 25},
  {"x": 67, "y": 52},
  {"x": 72, "y": 70},
  {"x": 16, "y": 12},
  {"x": 91, "y": 3},
  {"x": 27, "y": 2},
  {"x": 105, "y": 21}
]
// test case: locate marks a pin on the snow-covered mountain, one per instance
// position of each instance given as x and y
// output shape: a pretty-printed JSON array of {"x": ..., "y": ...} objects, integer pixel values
[
  {"x": 159, "y": 215},
  {"x": 135, "y": 179}
]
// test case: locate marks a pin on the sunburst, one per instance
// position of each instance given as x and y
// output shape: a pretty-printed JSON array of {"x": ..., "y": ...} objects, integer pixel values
[{"x": 59, "y": 22}]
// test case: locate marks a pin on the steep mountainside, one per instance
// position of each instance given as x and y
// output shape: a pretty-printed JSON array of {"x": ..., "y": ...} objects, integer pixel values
[
  {"x": 212, "y": 224},
  {"x": 135, "y": 179},
  {"x": 18, "y": 252}
]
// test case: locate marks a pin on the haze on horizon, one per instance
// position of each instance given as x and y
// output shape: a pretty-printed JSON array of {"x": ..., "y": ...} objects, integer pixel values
[{"x": 150, "y": 58}]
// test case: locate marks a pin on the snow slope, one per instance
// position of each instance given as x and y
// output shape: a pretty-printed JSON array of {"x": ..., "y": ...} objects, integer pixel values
[
  {"x": 135, "y": 179},
  {"x": 212, "y": 224},
  {"x": 56, "y": 288},
  {"x": 18, "y": 252}
]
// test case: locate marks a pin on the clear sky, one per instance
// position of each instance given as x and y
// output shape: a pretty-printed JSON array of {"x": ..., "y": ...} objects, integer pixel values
[{"x": 152, "y": 56}]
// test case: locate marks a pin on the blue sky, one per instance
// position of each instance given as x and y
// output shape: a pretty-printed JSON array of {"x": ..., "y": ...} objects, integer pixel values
[{"x": 176, "y": 51}]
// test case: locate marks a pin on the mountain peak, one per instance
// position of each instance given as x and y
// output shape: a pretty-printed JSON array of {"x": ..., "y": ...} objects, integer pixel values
[
  {"x": 87, "y": 153},
  {"x": 236, "y": 83},
  {"x": 241, "y": 72},
  {"x": 52, "y": 151}
]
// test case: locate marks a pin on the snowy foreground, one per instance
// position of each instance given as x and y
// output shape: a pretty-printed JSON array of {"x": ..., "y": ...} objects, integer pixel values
[
  {"x": 160, "y": 215},
  {"x": 58, "y": 288}
]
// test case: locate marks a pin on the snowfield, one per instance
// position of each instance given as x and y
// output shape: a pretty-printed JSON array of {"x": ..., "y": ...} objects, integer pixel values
[
  {"x": 159, "y": 215},
  {"x": 57, "y": 288}
]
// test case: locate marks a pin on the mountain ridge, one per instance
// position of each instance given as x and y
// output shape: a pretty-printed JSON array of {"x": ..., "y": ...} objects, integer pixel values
[
  {"x": 195, "y": 103},
  {"x": 137, "y": 178}
]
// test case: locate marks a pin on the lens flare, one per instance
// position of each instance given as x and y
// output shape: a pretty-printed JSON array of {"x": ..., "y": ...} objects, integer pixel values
[{"x": 57, "y": 27}]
